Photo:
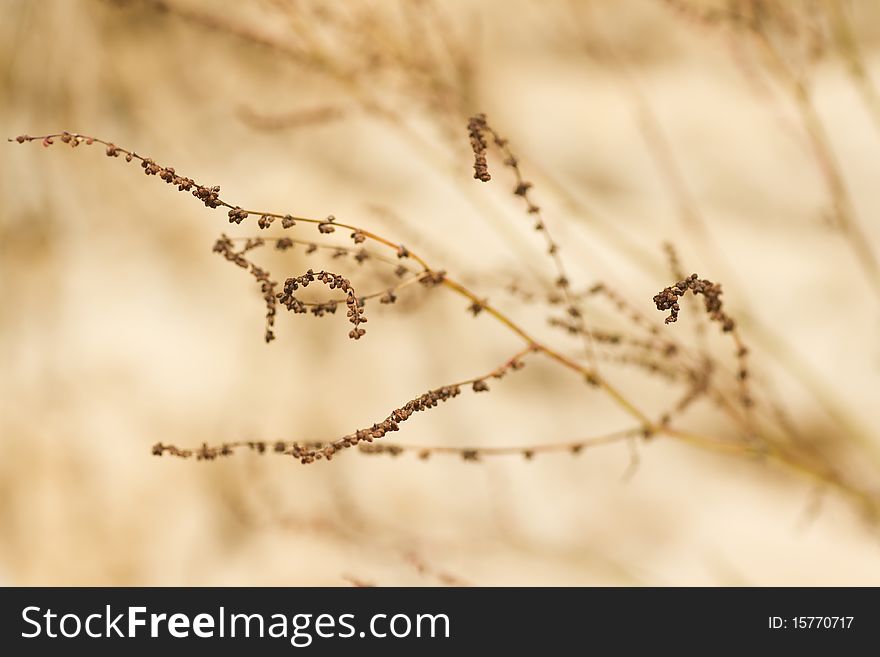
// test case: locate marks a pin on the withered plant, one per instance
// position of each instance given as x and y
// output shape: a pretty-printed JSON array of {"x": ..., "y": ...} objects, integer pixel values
[
  {"x": 757, "y": 428},
  {"x": 431, "y": 68}
]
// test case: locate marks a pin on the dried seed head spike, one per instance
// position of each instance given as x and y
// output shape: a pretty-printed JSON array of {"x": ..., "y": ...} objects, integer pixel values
[
  {"x": 478, "y": 130},
  {"x": 667, "y": 299},
  {"x": 363, "y": 438},
  {"x": 355, "y": 312}
]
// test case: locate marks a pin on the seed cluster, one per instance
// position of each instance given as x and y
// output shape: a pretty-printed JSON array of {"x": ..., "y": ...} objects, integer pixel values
[
  {"x": 210, "y": 196},
  {"x": 225, "y": 247},
  {"x": 424, "y": 402},
  {"x": 432, "y": 278},
  {"x": 477, "y": 306},
  {"x": 477, "y": 128},
  {"x": 326, "y": 227},
  {"x": 237, "y": 215},
  {"x": 310, "y": 452},
  {"x": 667, "y": 299},
  {"x": 334, "y": 282}
]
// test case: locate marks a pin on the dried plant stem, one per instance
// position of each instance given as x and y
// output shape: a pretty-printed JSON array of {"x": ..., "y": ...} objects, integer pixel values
[
  {"x": 526, "y": 451},
  {"x": 868, "y": 501},
  {"x": 309, "y": 452},
  {"x": 659, "y": 148},
  {"x": 479, "y": 127},
  {"x": 425, "y": 569},
  {"x": 450, "y": 165},
  {"x": 851, "y": 52},
  {"x": 844, "y": 210},
  {"x": 424, "y": 277},
  {"x": 311, "y": 55},
  {"x": 775, "y": 346},
  {"x": 294, "y": 119},
  {"x": 237, "y": 214},
  {"x": 311, "y": 58},
  {"x": 336, "y": 249},
  {"x": 668, "y": 298},
  {"x": 210, "y": 197}
]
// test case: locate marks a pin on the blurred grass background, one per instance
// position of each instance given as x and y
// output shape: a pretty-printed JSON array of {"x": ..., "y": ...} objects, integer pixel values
[{"x": 119, "y": 328}]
